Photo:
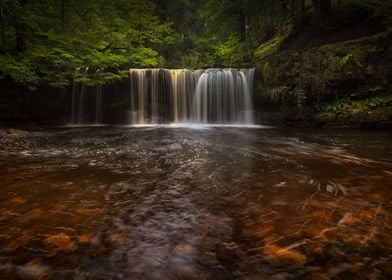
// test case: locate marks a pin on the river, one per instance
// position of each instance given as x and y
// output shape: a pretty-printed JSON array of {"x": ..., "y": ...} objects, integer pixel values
[{"x": 201, "y": 202}]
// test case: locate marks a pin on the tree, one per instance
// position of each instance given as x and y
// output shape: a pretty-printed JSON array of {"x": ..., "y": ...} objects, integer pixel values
[
  {"x": 323, "y": 7},
  {"x": 54, "y": 37}
]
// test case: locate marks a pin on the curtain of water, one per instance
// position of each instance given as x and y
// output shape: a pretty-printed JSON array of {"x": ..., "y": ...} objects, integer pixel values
[
  {"x": 98, "y": 104},
  {"x": 78, "y": 96},
  {"x": 224, "y": 96},
  {"x": 154, "y": 82},
  {"x": 220, "y": 96},
  {"x": 174, "y": 83},
  {"x": 196, "y": 96},
  {"x": 81, "y": 101},
  {"x": 74, "y": 105}
]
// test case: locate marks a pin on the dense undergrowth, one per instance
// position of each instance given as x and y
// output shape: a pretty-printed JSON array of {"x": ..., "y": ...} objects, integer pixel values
[{"x": 334, "y": 72}]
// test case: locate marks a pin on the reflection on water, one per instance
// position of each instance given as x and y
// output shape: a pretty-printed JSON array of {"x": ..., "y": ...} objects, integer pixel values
[{"x": 216, "y": 203}]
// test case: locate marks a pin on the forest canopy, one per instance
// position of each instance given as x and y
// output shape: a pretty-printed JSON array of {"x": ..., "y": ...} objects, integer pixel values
[{"x": 47, "y": 41}]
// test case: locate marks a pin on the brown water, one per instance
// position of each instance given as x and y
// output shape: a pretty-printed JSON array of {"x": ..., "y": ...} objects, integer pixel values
[{"x": 180, "y": 203}]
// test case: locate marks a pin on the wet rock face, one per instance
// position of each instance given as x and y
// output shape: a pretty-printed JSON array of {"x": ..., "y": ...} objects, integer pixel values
[{"x": 20, "y": 105}]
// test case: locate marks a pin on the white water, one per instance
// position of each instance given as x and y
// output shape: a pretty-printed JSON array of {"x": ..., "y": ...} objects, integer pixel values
[
  {"x": 224, "y": 97},
  {"x": 179, "y": 96},
  {"x": 80, "y": 102}
]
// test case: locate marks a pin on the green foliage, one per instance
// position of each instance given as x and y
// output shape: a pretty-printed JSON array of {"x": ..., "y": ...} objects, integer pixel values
[
  {"x": 268, "y": 73},
  {"x": 273, "y": 45},
  {"x": 43, "y": 42},
  {"x": 317, "y": 75},
  {"x": 20, "y": 71},
  {"x": 231, "y": 53},
  {"x": 300, "y": 99},
  {"x": 346, "y": 106},
  {"x": 280, "y": 93},
  {"x": 110, "y": 76},
  {"x": 268, "y": 48}
]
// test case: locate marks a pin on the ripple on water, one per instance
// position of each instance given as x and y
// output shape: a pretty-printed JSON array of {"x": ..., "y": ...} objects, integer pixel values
[{"x": 185, "y": 203}]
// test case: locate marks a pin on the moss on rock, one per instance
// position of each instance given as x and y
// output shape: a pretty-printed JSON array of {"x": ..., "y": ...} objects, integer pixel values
[{"x": 310, "y": 83}]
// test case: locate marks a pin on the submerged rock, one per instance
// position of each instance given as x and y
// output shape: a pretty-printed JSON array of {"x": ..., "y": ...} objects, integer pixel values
[
  {"x": 17, "y": 243},
  {"x": 13, "y": 132},
  {"x": 348, "y": 219},
  {"x": 284, "y": 256},
  {"x": 33, "y": 270},
  {"x": 62, "y": 243},
  {"x": 85, "y": 238},
  {"x": 18, "y": 200}
]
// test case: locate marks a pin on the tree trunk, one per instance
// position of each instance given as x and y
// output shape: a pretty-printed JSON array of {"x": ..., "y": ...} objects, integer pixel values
[
  {"x": 20, "y": 30},
  {"x": 323, "y": 7},
  {"x": 316, "y": 4},
  {"x": 293, "y": 10},
  {"x": 326, "y": 7},
  {"x": 63, "y": 14},
  {"x": 2, "y": 26},
  {"x": 302, "y": 5},
  {"x": 243, "y": 22},
  {"x": 20, "y": 41}
]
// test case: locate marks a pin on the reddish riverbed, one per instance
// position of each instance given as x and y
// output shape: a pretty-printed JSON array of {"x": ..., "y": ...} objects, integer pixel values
[{"x": 185, "y": 203}]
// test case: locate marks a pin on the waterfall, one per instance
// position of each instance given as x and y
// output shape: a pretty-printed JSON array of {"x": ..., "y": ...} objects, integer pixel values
[
  {"x": 98, "y": 105},
  {"x": 86, "y": 103},
  {"x": 78, "y": 100},
  {"x": 156, "y": 96},
  {"x": 144, "y": 95},
  {"x": 222, "y": 96},
  {"x": 75, "y": 87},
  {"x": 183, "y": 85},
  {"x": 98, "y": 101}
]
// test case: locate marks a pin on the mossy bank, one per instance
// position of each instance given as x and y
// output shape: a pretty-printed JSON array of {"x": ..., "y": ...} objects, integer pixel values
[{"x": 329, "y": 72}]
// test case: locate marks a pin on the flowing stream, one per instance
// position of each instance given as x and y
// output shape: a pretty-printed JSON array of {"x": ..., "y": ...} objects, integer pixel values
[{"x": 199, "y": 202}]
